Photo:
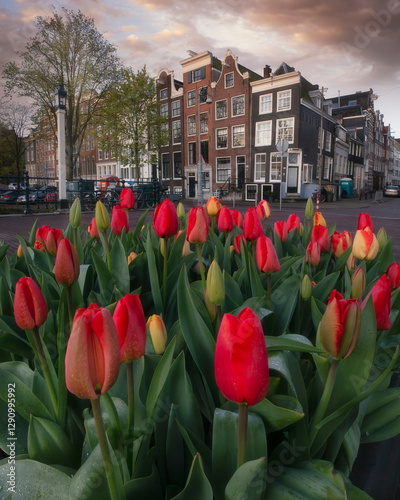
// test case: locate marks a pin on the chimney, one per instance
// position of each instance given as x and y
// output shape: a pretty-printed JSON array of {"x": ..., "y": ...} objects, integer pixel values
[{"x": 267, "y": 71}]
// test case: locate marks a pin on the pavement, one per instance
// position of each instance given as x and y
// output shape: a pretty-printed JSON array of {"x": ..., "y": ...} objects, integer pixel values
[{"x": 344, "y": 213}]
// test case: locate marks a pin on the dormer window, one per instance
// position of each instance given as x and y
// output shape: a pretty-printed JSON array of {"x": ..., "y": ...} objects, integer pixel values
[
  {"x": 196, "y": 75},
  {"x": 229, "y": 80},
  {"x": 164, "y": 94}
]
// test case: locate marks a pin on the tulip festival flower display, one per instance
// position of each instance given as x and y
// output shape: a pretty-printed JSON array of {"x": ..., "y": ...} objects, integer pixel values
[{"x": 231, "y": 360}]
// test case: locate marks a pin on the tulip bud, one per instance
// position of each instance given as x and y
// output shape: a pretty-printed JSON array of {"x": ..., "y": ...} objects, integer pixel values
[
  {"x": 381, "y": 296},
  {"x": 213, "y": 206},
  {"x": 225, "y": 220},
  {"x": 165, "y": 219},
  {"x": 266, "y": 257},
  {"x": 320, "y": 234},
  {"x": 293, "y": 222},
  {"x": 92, "y": 229},
  {"x": 340, "y": 242},
  {"x": 30, "y": 308},
  {"x": 237, "y": 218},
  {"x": 350, "y": 262},
  {"x": 393, "y": 273},
  {"x": 20, "y": 252},
  {"x": 180, "y": 211},
  {"x": 102, "y": 217},
  {"x": 237, "y": 243},
  {"x": 211, "y": 308},
  {"x": 358, "y": 284},
  {"x": 197, "y": 230},
  {"x": 364, "y": 220},
  {"x": 281, "y": 230},
  {"x": 301, "y": 229},
  {"x": 263, "y": 210},
  {"x": 131, "y": 327},
  {"x": 127, "y": 199},
  {"x": 75, "y": 213},
  {"x": 49, "y": 237},
  {"x": 186, "y": 244},
  {"x": 131, "y": 257},
  {"x": 119, "y": 220},
  {"x": 158, "y": 333},
  {"x": 313, "y": 253},
  {"x": 241, "y": 359},
  {"x": 340, "y": 325},
  {"x": 306, "y": 288},
  {"x": 67, "y": 266},
  {"x": 252, "y": 228},
  {"x": 92, "y": 359},
  {"x": 319, "y": 219},
  {"x": 382, "y": 238},
  {"x": 309, "y": 209},
  {"x": 215, "y": 284},
  {"x": 365, "y": 244}
]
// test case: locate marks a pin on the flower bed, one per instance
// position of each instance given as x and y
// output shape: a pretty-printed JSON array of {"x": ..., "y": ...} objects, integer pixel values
[{"x": 205, "y": 354}]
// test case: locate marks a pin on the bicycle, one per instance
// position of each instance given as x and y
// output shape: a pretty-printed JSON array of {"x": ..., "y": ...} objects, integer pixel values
[{"x": 322, "y": 196}]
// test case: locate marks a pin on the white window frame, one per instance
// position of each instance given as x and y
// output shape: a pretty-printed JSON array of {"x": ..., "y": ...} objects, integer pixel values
[
  {"x": 259, "y": 138},
  {"x": 204, "y": 123},
  {"x": 173, "y": 164},
  {"x": 260, "y": 160},
  {"x": 192, "y": 95},
  {"x": 249, "y": 189},
  {"x": 267, "y": 104},
  {"x": 275, "y": 167},
  {"x": 279, "y": 127},
  {"x": 228, "y": 174},
  {"x": 162, "y": 165},
  {"x": 216, "y": 138},
  {"x": 328, "y": 164},
  {"x": 328, "y": 141},
  {"x": 174, "y": 126},
  {"x": 163, "y": 94},
  {"x": 164, "y": 110},
  {"x": 232, "y": 105},
  {"x": 191, "y": 125},
  {"x": 241, "y": 134},
  {"x": 282, "y": 97},
  {"x": 176, "y": 105},
  {"x": 307, "y": 173},
  {"x": 226, "y": 109},
  {"x": 233, "y": 80}
]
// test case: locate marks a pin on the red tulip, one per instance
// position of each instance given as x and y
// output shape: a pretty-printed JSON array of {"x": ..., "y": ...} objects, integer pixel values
[
  {"x": 131, "y": 327},
  {"x": 266, "y": 257},
  {"x": 127, "y": 199},
  {"x": 241, "y": 360},
  {"x": 381, "y": 295},
  {"x": 281, "y": 230},
  {"x": 93, "y": 357},
  {"x": 319, "y": 219},
  {"x": 393, "y": 273},
  {"x": 67, "y": 267},
  {"x": 213, "y": 206},
  {"x": 293, "y": 222},
  {"x": 197, "y": 229},
  {"x": 252, "y": 228},
  {"x": 365, "y": 245},
  {"x": 119, "y": 220},
  {"x": 93, "y": 231},
  {"x": 237, "y": 243},
  {"x": 340, "y": 325},
  {"x": 49, "y": 237},
  {"x": 313, "y": 253},
  {"x": 321, "y": 236},
  {"x": 165, "y": 219},
  {"x": 30, "y": 308},
  {"x": 237, "y": 218},
  {"x": 225, "y": 220},
  {"x": 340, "y": 242},
  {"x": 263, "y": 210},
  {"x": 364, "y": 220}
]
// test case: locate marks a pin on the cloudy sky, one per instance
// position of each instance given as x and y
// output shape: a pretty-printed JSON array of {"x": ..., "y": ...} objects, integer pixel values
[{"x": 345, "y": 45}]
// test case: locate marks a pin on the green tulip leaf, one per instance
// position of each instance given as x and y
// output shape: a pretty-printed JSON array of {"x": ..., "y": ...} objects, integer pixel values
[
  {"x": 34, "y": 480},
  {"x": 382, "y": 418},
  {"x": 197, "y": 486},
  {"x": 104, "y": 277},
  {"x": 12, "y": 338},
  {"x": 279, "y": 411},
  {"x": 119, "y": 266},
  {"x": 284, "y": 301},
  {"x": 290, "y": 342},
  {"x": 341, "y": 261},
  {"x": 248, "y": 482},
  {"x": 232, "y": 291},
  {"x": 323, "y": 288},
  {"x": 20, "y": 430},
  {"x": 145, "y": 487},
  {"x": 153, "y": 275}
]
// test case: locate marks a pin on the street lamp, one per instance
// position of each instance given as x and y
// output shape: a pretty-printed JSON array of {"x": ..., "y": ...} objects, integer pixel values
[
  {"x": 60, "y": 101},
  {"x": 203, "y": 92}
]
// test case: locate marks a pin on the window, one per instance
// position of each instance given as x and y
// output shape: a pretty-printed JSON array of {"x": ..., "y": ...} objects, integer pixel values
[
  {"x": 223, "y": 169},
  {"x": 222, "y": 138},
  {"x": 177, "y": 165},
  {"x": 165, "y": 165},
  {"x": 176, "y": 108},
  {"x": 204, "y": 150},
  {"x": 240, "y": 170},
  {"x": 284, "y": 100},
  {"x": 275, "y": 167},
  {"x": 263, "y": 133},
  {"x": 106, "y": 155},
  {"x": 192, "y": 153},
  {"x": 328, "y": 162},
  {"x": 192, "y": 125},
  {"x": 229, "y": 80},
  {"x": 191, "y": 98},
  {"x": 204, "y": 123},
  {"x": 92, "y": 143},
  {"x": 164, "y": 110},
  {"x": 238, "y": 136},
  {"x": 100, "y": 154},
  {"x": 221, "y": 109},
  {"x": 203, "y": 94},
  {"x": 259, "y": 166},
  {"x": 307, "y": 173},
  {"x": 199, "y": 74},
  {"x": 285, "y": 129},
  {"x": 328, "y": 141},
  {"x": 176, "y": 132},
  {"x": 238, "y": 105},
  {"x": 265, "y": 104},
  {"x": 93, "y": 165},
  {"x": 164, "y": 94}
]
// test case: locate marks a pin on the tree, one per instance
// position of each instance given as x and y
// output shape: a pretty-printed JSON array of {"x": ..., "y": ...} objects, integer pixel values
[
  {"x": 130, "y": 122},
  {"x": 14, "y": 122},
  {"x": 67, "y": 50}
]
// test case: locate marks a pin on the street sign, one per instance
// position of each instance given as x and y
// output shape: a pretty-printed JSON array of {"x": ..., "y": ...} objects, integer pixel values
[{"x": 282, "y": 146}]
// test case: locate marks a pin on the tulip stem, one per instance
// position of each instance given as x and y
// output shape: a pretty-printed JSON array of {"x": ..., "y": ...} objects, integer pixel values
[
  {"x": 45, "y": 369},
  {"x": 70, "y": 307},
  {"x": 269, "y": 288},
  {"x": 324, "y": 401},
  {"x": 107, "y": 247},
  {"x": 201, "y": 265},
  {"x": 105, "y": 450},
  {"x": 165, "y": 271},
  {"x": 131, "y": 401},
  {"x": 242, "y": 440}
]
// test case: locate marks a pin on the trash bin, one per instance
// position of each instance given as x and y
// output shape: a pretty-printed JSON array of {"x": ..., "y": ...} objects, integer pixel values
[{"x": 346, "y": 187}]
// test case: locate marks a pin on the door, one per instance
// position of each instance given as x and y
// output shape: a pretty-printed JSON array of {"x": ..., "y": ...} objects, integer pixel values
[
  {"x": 192, "y": 185},
  {"x": 292, "y": 180}
]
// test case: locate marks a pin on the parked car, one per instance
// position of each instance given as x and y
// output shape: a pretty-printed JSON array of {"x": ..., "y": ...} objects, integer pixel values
[
  {"x": 41, "y": 193},
  {"x": 51, "y": 197},
  {"x": 391, "y": 191},
  {"x": 10, "y": 196},
  {"x": 14, "y": 185}
]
